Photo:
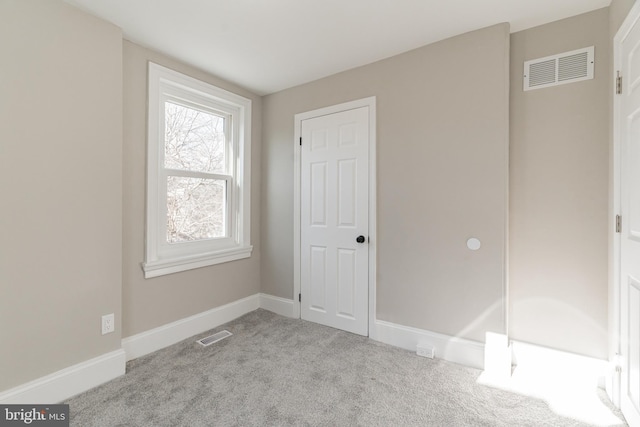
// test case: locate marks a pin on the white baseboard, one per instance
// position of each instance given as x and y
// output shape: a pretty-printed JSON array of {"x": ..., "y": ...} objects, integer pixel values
[
  {"x": 498, "y": 356},
  {"x": 171, "y": 333},
  {"x": 68, "y": 382},
  {"x": 548, "y": 361},
  {"x": 531, "y": 361},
  {"x": 452, "y": 349},
  {"x": 281, "y": 306}
]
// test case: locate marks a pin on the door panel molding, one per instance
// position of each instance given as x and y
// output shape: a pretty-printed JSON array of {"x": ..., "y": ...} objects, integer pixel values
[
  {"x": 624, "y": 303},
  {"x": 297, "y": 202}
]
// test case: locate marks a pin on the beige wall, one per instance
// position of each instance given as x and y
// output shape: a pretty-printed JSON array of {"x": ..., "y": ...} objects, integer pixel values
[
  {"x": 149, "y": 303},
  {"x": 618, "y": 11},
  {"x": 61, "y": 186},
  {"x": 558, "y": 193},
  {"x": 442, "y": 118}
]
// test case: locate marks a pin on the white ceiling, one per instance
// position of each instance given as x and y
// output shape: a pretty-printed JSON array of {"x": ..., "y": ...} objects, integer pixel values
[{"x": 270, "y": 45}]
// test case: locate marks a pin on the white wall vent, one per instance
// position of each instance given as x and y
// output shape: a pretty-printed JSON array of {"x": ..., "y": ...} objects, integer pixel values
[{"x": 567, "y": 67}]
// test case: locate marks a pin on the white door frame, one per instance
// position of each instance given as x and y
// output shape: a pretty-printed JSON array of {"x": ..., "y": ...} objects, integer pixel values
[
  {"x": 298, "y": 118},
  {"x": 614, "y": 382}
]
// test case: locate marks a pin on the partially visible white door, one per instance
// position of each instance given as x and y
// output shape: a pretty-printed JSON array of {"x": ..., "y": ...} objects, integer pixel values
[
  {"x": 334, "y": 220},
  {"x": 629, "y": 139}
]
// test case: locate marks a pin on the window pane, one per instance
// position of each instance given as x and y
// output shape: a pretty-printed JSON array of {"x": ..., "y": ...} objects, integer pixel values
[
  {"x": 195, "y": 209},
  {"x": 194, "y": 140}
]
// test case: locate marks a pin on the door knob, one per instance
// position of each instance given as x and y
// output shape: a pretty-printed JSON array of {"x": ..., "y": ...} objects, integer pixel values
[{"x": 360, "y": 239}]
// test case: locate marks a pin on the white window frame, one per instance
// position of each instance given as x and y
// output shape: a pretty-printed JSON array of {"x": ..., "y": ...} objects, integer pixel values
[{"x": 161, "y": 257}]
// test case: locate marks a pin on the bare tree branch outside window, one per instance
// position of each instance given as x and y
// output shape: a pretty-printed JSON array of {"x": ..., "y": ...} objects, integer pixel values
[{"x": 195, "y": 141}]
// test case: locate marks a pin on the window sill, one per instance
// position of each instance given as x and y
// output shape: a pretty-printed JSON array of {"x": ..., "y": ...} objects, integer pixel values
[{"x": 175, "y": 265}]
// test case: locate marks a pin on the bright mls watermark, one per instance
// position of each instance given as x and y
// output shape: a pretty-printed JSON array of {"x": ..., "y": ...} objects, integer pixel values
[{"x": 34, "y": 415}]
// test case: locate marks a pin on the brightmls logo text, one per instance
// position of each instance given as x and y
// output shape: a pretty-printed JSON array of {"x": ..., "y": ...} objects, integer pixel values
[
  {"x": 34, "y": 415},
  {"x": 28, "y": 417}
]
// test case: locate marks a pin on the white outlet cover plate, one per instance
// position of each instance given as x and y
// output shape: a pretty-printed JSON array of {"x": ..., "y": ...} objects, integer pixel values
[{"x": 108, "y": 323}]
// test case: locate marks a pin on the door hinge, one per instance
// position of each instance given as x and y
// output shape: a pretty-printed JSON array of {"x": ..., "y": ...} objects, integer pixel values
[
  {"x": 299, "y": 297},
  {"x": 619, "y": 84},
  {"x": 300, "y": 140},
  {"x": 618, "y": 224},
  {"x": 617, "y": 363}
]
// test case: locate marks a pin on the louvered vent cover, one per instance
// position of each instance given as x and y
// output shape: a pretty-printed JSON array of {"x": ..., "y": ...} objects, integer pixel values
[
  {"x": 555, "y": 70},
  {"x": 212, "y": 339}
]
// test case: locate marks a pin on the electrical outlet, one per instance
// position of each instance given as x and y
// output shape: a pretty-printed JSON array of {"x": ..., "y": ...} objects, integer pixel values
[
  {"x": 108, "y": 324},
  {"x": 426, "y": 351}
]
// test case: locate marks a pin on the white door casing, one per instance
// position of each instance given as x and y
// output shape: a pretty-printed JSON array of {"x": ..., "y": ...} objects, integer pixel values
[
  {"x": 627, "y": 205},
  {"x": 334, "y": 162}
]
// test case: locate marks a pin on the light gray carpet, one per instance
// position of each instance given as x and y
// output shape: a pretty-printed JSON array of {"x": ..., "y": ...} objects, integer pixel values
[{"x": 276, "y": 371}]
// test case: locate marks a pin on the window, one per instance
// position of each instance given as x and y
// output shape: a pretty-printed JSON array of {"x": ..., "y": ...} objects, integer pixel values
[{"x": 198, "y": 174}]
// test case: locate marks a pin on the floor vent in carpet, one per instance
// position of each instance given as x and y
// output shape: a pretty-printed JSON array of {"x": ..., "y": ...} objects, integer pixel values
[{"x": 212, "y": 339}]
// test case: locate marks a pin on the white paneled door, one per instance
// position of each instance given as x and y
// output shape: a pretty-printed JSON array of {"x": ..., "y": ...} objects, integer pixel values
[
  {"x": 334, "y": 219},
  {"x": 628, "y": 127}
]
